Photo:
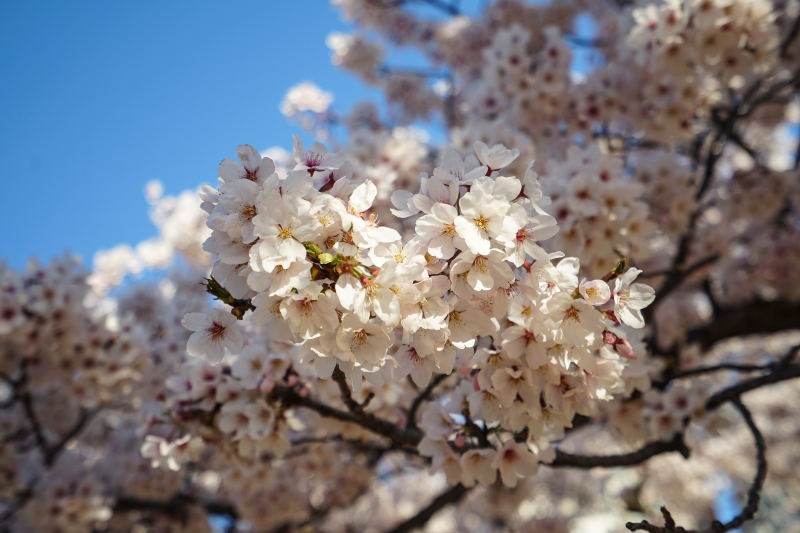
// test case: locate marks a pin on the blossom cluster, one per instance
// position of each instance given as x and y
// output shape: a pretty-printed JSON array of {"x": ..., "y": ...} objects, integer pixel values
[
  {"x": 472, "y": 290},
  {"x": 402, "y": 307}
]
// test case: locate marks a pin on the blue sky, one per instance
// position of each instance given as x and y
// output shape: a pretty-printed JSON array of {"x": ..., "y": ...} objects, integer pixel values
[{"x": 98, "y": 98}]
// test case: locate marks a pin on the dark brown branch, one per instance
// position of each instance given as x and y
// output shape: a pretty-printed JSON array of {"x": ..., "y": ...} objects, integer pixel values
[
  {"x": 669, "y": 525},
  {"x": 641, "y": 455},
  {"x": 797, "y": 154},
  {"x": 421, "y": 397},
  {"x": 368, "y": 421},
  {"x": 732, "y": 393},
  {"x": 790, "y": 37},
  {"x": 352, "y": 405},
  {"x": 452, "y": 495},
  {"x": 753, "y": 494},
  {"x": 178, "y": 505},
  {"x": 710, "y": 370},
  {"x": 725, "y": 130},
  {"x": 687, "y": 272},
  {"x": 448, "y": 9},
  {"x": 756, "y": 317},
  {"x": 52, "y": 453},
  {"x": 779, "y": 372},
  {"x": 27, "y": 405},
  {"x": 587, "y": 42},
  {"x": 474, "y": 430}
]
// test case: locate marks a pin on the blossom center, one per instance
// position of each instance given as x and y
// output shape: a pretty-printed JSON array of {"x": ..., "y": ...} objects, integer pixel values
[
  {"x": 482, "y": 222},
  {"x": 307, "y": 306},
  {"x": 360, "y": 337},
  {"x": 216, "y": 330}
]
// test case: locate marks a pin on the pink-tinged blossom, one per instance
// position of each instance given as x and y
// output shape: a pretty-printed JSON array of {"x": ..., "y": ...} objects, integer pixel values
[
  {"x": 213, "y": 334},
  {"x": 515, "y": 459}
]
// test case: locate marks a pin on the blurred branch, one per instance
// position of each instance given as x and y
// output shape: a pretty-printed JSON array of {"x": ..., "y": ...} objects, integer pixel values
[
  {"x": 586, "y": 42},
  {"x": 782, "y": 371},
  {"x": 445, "y": 7},
  {"x": 400, "y": 437},
  {"x": 421, "y": 397},
  {"x": 410, "y": 71},
  {"x": 178, "y": 505},
  {"x": 725, "y": 124},
  {"x": 687, "y": 272},
  {"x": 753, "y": 495},
  {"x": 730, "y": 394},
  {"x": 641, "y": 455},
  {"x": 451, "y": 495},
  {"x": 52, "y": 453},
  {"x": 756, "y": 317},
  {"x": 709, "y": 370},
  {"x": 790, "y": 37}
]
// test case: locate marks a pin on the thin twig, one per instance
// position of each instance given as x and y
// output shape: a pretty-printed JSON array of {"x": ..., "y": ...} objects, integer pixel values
[
  {"x": 753, "y": 494},
  {"x": 710, "y": 370},
  {"x": 52, "y": 453},
  {"x": 421, "y": 397},
  {"x": 399, "y": 437}
]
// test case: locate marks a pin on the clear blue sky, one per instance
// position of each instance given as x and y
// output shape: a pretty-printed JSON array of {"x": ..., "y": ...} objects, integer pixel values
[{"x": 98, "y": 98}]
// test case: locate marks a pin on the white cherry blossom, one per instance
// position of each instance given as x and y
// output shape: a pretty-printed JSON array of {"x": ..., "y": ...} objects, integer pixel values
[
  {"x": 213, "y": 334},
  {"x": 630, "y": 298}
]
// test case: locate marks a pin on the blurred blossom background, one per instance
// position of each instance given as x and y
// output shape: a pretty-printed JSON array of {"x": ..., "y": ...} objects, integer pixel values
[{"x": 112, "y": 115}]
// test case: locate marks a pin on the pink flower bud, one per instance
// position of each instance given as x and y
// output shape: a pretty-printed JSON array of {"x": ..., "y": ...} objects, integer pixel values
[
  {"x": 624, "y": 348},
  {"x": 463, "y": 366},
  {"x": 303, "y": 392},
  {"x": 461, "y": 440},
  {"x": 267, "y": 384},
  {"x": 609, "y": 338},
  {"x": 292, "y": 380}
]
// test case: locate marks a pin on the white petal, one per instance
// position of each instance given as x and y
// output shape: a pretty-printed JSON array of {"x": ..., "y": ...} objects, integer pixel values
[{"x": 196, "y": 321}]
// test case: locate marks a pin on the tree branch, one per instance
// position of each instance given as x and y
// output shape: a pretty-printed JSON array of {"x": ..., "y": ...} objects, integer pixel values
[
  {"x": 52, "y": 453},
  {"x": 710, "y": 370},
  {"x": 790, "y": 37},
  {"x": 399, "y": 437},
  {"x": 641, "y": 455},
  {"x": 452, "y": 495},
  {"x": 756, "y": 317},
  {"x": 779, "y": 372},
  {"x": 177, "y": 505},
  {"x": 732, "y": 393},
  {"x": 753, "y": 495},
  {"x": 347, "y": 397},
  {"x": 421, "y": 397}
]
